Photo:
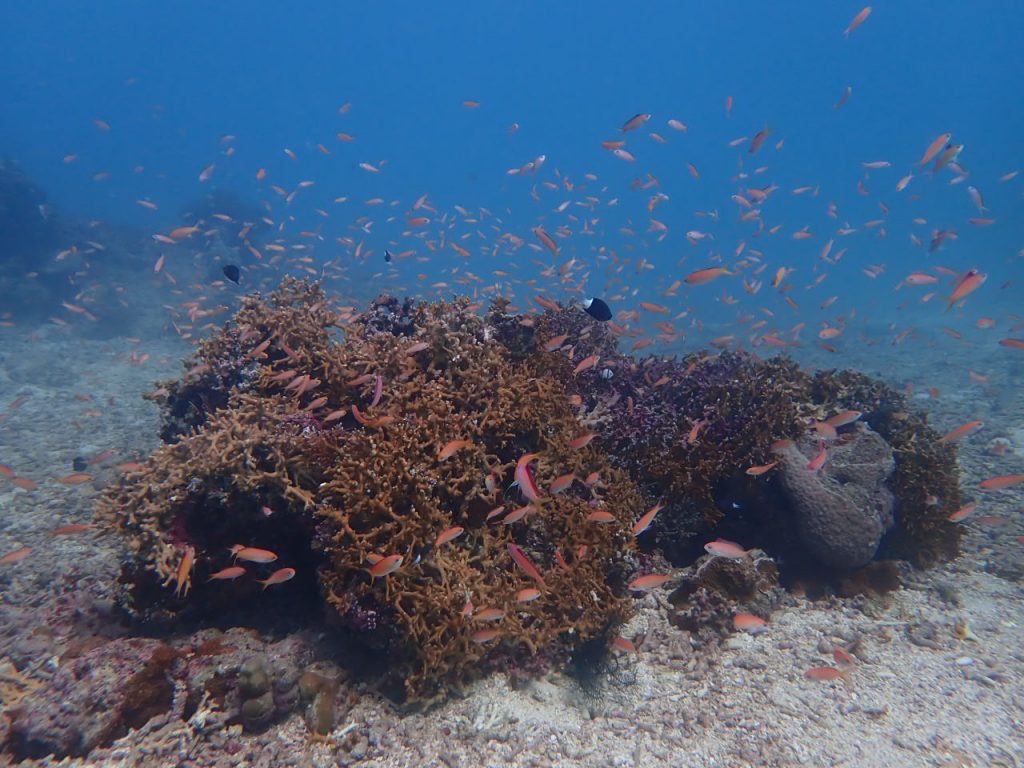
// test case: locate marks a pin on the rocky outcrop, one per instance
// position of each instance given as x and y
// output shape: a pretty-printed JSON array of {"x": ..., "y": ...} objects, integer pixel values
[{"x": 844, "y": 508}]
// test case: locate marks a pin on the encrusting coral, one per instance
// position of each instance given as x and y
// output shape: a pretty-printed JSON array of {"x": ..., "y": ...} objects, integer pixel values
[{"x": 459, "y": 492}]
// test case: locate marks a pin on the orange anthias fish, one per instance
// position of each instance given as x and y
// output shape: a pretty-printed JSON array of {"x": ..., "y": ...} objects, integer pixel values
[
  {"x": 385, "y": 566},
  {"x": 962, "y": 513},
  {"x": 183, "y": 578},
  {"x": 934, "y": 147},
  {"x": 524, "y": 562},
  {"x": 648, "y": 582},
  {"x": 523, "y": 478},
  {"x": 819, "y": 460},
  {"x": 727, "y": 549},
  {"x": 449, "y": 534},
  {"x": 843, "y": 418},
  {"x": 70, "y": 528},
  {"x": 226, "y": 574},
  {"x": 646, "y": 519},
  {"x": 585, "y": 363},
  {"x": 859, "y": 19},
  {"x": 969, "y": 283},
  {"x": 451, "y": 447},
  {"x": 635, "y": 122},
  {"x": 825, "y": 673},
  {"x": 706, "y": 275},
  {"x": 1003, "y": 481},
  {"x": 279, "y": 576},
  {"x": 962, "y": 431},
  {"x": 748, "y": 622},
  {"x": 15, "y": 556},
  {"x": 252, "y": 554},
  {"x": 761, "y": 469}
]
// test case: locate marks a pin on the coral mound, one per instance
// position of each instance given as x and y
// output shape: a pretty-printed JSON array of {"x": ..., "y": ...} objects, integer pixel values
[
  {"x": 459, "y": 492},
  {"x": 337, "y": 455}
]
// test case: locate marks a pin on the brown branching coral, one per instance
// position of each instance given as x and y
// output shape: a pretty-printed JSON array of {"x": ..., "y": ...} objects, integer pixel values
[{"x": 342, "y": 441}]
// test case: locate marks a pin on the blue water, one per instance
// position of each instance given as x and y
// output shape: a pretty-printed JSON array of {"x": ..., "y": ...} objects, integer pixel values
[{"x": 172, "y": 80}]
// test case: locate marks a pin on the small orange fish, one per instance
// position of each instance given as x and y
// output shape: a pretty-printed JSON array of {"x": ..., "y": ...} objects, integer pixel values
[
  {"x": 859, "y": 19},
  {"x": 969, "y": 428},
  {"x": 70, "y": 528},
  {"x": 562, "y": 482},
  {"x": 1003, "y": 481},
  {"x": 451, "y": 447},
  {"x": 656, "y": 308},
  {"x": 484, "y": 636},
  {"x": 760, "y": 469},
  {"x": 819, "y": 459},
  {"x": 623, "y": 644},
  {"x": 585, "y": 363},
  {"x": 934, "y": 147},
  {"x": 701, "y": 276},
  {"x": 252, "y": 554},
  {"x": 648, "y": 582},
  {"x": 582, "y": 441},
  {"x": 969, "y": 283},
  {"x": 962, "y": 513},
  {"x": 386, "y": 565},
  {"x": 555, "y": 343},
  {"x": 727, "y": 549},
  {"x": 635, "y": 122},
  {"x": 231, "y": 572},
  {"x": 75, "y": 478},
  {"x": 527, "y": 595},
  {"x": 183, "y": 578},
  {"x": 15, "y": 556},
  {"x": 179, "y": 233},
  {"x": 524, "y": 562},
  {"x": 279, "y": 576},
  {"x": 25, "y": 483},
  {"x": 844, "y": 418},
  {"x": 748, "y": 622},
  {"x": 825, "y": 673},
  {"x": 449, "y": 534},
  {"x": 417, "y": 347},
  {"x": 545, "y": 238},
  {"x": 601, "y": 516},
  {"x": 1014, "y": 343},
  {"x": 489, "y": 614},
  {"x": 518, "y": 514},
  {"x": 646, "y": 519}
]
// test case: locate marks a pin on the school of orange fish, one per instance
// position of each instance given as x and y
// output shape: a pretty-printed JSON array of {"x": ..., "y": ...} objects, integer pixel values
[{"x": 487, "y": 244}]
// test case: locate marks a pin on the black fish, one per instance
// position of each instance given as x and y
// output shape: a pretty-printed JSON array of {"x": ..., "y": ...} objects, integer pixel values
[
  {"x": 387, "y": 255},
  {"x": 232, "y": 273},
  {"x": 597, "y": 309}
]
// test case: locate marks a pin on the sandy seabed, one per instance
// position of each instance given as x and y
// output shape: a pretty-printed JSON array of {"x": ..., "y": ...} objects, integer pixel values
[{"x": 939, "y": 664}]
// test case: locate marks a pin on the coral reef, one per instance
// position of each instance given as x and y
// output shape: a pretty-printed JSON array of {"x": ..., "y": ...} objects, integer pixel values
[
  {"x": 339, "y": 454},
  {"x": 458, "y": 492},
  {"x": 843, "y": 508},
  {"x": 688, "y": 431}
]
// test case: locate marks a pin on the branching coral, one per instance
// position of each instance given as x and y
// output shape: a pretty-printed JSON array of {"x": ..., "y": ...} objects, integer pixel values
[{"x": 342, "y": 441}]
